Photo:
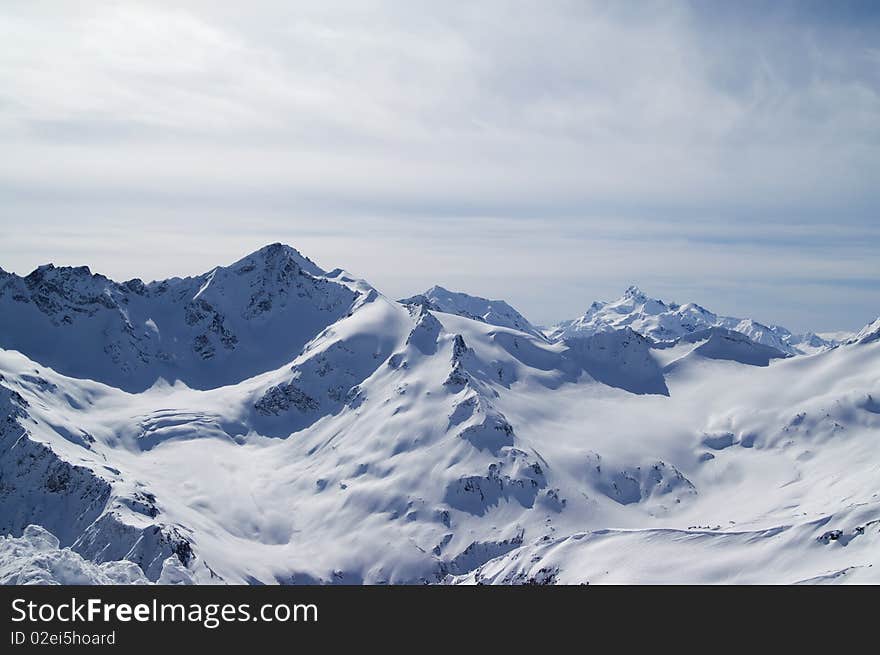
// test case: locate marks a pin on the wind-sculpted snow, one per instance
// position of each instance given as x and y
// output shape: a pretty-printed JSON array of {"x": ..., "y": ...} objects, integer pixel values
[
  {"x": 163, "y": 425},
  {"x": 367, "y": 441}
]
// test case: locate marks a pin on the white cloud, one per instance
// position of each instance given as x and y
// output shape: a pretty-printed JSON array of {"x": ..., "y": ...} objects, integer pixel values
[{"x": 457, "y": 125}]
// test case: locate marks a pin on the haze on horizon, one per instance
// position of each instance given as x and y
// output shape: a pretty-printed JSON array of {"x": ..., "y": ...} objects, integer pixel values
[{"x": 546, "y": 153}]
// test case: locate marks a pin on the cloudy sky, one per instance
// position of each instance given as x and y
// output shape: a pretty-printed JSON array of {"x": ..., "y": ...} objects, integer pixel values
[{"x": 549, "y": 153}]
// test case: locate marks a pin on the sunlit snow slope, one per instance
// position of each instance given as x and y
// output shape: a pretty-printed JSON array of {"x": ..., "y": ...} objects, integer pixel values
[{"x": 272, "y": 422}]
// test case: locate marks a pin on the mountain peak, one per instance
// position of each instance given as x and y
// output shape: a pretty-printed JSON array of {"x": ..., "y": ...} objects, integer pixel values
[
  {"x": 275, "y": 249},
  {"x": 632, "y": 291},
  {"x": 278, "y": 253},
  {"x": 670, "y": 321},
  {"x": 493, "y": 312},
  {"x": 66, "y": 281},
  {"x": 868, "y": 334},
  {"x": 636, "y": 298},
  {"x": 259, "y": 424},
  {"x": 44, "y": 268}
]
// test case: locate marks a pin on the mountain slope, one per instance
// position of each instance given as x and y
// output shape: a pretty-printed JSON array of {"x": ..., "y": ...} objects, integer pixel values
[{"x": 867, "y": 334}]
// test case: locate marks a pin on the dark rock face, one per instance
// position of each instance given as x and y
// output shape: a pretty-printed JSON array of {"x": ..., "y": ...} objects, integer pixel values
[
  {"x": 282, "y": 398},
  {"x": 517, "y": 479},
  {"x": 480, "y": 552},
  {"x": 110, "y": 538},
  {"x": 492, "y": 434},
  {"x": 36, "y": 486},
  {"x": 634, "y": 484}
]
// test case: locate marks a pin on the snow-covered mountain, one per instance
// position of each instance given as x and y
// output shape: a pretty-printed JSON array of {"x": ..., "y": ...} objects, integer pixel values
[
  {"x": 868, "y": 334},
  {"x": 271, "y": 422},
  {"x": 217, "y": 328},
  {"x": 663, "y": 321},
  {"x": 494, "y": 312}
]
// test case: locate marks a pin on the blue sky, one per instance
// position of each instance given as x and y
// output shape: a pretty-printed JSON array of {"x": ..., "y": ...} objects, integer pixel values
[{"x": 548, "y": 153}]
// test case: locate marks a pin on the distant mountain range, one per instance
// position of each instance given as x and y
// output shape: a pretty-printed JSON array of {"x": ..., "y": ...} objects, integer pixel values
[{"x": 663, "y": 321}]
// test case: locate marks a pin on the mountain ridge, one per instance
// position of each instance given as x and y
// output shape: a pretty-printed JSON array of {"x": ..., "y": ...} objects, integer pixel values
[
  {"x": 666, "y": 321},
  {"x": 379, "y": 442},
  {"x": 134, "y": 333},
  {"x": 493, "y": 312}
]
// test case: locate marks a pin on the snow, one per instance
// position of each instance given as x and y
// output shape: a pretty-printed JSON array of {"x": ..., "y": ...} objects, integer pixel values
[
  {"x": 868, "y": 334},
  {"x": 494, "y": 312},
  {"x": 35, "y": 558},
  {"x": 214, "y": 329},
  {"x": 361, "y": 440},
  {"x": 803, "y": 553},
  {"x": 668, "y": 321}
]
